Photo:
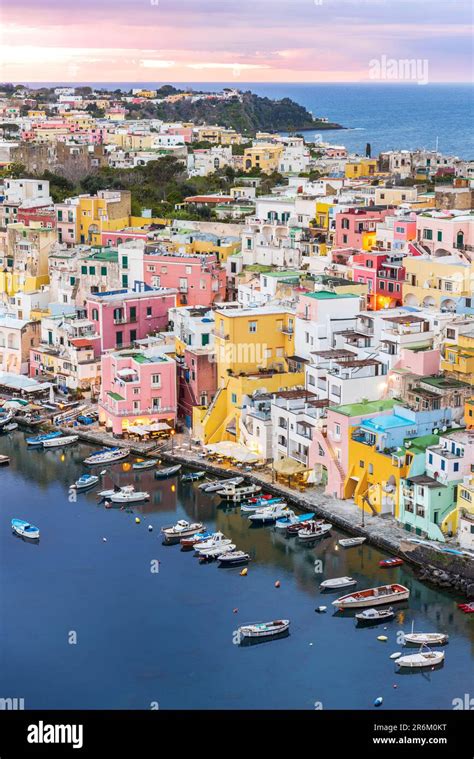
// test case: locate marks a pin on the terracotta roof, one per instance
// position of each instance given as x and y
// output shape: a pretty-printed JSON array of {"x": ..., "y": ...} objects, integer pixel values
[{"x": 81, "y": 342}]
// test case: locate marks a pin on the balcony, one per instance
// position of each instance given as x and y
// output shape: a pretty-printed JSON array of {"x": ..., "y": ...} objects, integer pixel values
[
  {"x": 299, "y": 456},
  {"x": 287, "y": 330},
  {"x": 219, "y": 334},
  {"x": 120, "y": 320},
  {"x": 134, "y": 412}
]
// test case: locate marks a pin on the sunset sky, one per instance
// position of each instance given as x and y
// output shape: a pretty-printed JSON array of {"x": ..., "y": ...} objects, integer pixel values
[{"x": 229, "y": 40}]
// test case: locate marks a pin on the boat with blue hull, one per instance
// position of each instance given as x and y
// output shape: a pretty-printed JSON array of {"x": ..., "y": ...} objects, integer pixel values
[
  {"x": 291, "y": 518},
  {"x": 40, "y": 439},
  {"x": 25, "y": 529},
  {"x": 259, "y": 503}
]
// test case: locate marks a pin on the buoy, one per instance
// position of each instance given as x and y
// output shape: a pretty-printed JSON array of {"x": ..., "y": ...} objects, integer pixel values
[
  {"x": 243, "y": 572},
  {"x": 310, "y": 644},
  {"x": 137, "y": 521},
  {"x": 150, "y": 528},
  {"x": 277, "y": 584},
  {"x": 378, "y": 701},
  {"x": 321, "y": 609},
  {"x": 382, "y": 637},
  {"x": 234, "y": 611},
  {"x": 105, "y": 540},
  {"x": 395, "y": 685},
  {"x": 395, "y": 655}
]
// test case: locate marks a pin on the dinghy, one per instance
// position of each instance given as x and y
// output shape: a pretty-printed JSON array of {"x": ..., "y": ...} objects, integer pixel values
[
  {"x": 427, "y": 639},
  {"x": 423, "y": 658},
  {"x": 192, "y": 476},
  {"x": 59, "y": 442},
  {"x": 233, "y": 559},
  {"x": 467, "y": 608},
  {"x": 350, "y": 542},
  {"x": 291, "y": 518},
  {"x": 25, "y": 529},
  {"x": 10, "y": 427},
  {"x": 314, "y": 530},
  {"x": 264, "y": 629},
  {"x": 338, "y": 582},
  {"x": 250, "y": 508},
  {"x": 168, "y": 471},
  {"x": 107, "y": 456},
  {"x": 86, "y": 481},
  {"x": 40, "y": 439},
  {"x": 385, "y": 594},
  {"x": 211, "y": 486},
  {"x": 386, "y": 563},
  {"x": 269, "y": 514},
  {"x": 146, "y": 464},
  {"x": 182, "y": 529},
  {"x": 370, "y": 616}
]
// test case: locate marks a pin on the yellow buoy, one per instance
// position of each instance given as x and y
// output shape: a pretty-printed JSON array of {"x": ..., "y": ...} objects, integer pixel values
[
  {"x": 382, "y": 637},
  {"x": 243, "y": 572},
  {"x": 137, "y": 521}
]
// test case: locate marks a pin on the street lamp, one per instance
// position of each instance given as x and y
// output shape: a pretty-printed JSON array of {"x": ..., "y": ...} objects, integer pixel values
[{"x": 172, "y": 433}]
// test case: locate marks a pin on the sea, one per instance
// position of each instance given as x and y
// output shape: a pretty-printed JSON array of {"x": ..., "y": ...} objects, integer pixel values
[
  {"x": 100, "y": 615},
  {"x": 390, "y": 116}
]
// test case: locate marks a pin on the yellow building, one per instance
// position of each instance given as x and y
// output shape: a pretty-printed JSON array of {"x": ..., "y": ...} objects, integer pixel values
[
  {"x": 218, "y": 135},
  {"x": 469, "y": 414},
  {"x": 458, "y": 359},
  {"x": 251, "y": 350},
  {"x": 128, "y": 141},
  {"x": 361, "y": 169},
  {"x": 26, "y": 261},
  {"x": 436, "y": 282},
  {"x": 108, "y": 211},
  {"x": 265, "y": 157},
  {"x": 36, "y": 114}
]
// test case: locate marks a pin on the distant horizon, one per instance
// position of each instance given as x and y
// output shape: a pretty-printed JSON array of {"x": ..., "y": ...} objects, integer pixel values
[{"x": 235, "y": 85}]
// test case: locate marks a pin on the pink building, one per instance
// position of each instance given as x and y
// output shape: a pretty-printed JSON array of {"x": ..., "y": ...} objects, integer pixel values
[
  {"x": 446, "y": 232},
  {"x": 121, "y": 317},
  {"x": 199, "y": 279},
  {"x": 197, "y": 381},
  {"x": 138, "y": 389},
  {"x": 112, "y": 239},
  {"x": 353, "y": 225},
  {"x": 185, "y": 132}
]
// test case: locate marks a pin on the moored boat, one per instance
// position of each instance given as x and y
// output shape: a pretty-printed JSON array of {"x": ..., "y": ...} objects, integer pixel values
[
  {"x": 384, "y": 594},
  {"x": 350, "y": 542},
  {"x": 182, "y": 529},
  {"x": 25, "y": 529},
  {"x": 129, "y": 496},
  {"x": 211, "y": 486},
  {"x": 290, "y": 519},
  {"x": 192, "y": 476},
  {"x": 199, "y": 537},
  {"x": 250, "y": 508},
  {"x": 423, "y": 658},
  {"x": 217, "y": 539},
  {"x": 238, "y": 494},
  {"x": 107, "y": 456},
  {"x": 264, "y": 629},
  {"x": 369, "y": 616},
  {"x": 145, "y": 464},
  {"x": 314, "y": 530},
  {"x": 269, "y": 514},
  {"x": 167, "y": 471},
  {"x": 40, "y": 439},
  {"x": 338, "y": 582},
  {"x": 293, "y": 529},
  {"x": 4, "y": 460},
  {"x": 467, "y": 608},
  {"x": 59, "y": 442},
  {"x": 233, "y": 559},
  {"x": 387, "y": 563},
  {"x": 213, "y": 553},
  {"x": 10, "y": 427},
  {"x": 427, "y": 639},
  {"x": 86, "y": 481}
]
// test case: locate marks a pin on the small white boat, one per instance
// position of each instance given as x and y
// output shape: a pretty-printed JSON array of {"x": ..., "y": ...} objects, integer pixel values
[
  {"x": 129, "y": 496},
  {"x": 213, "y": 553},
  {"x": 116, "y": 489},
  {"x": 375, "y": 615},
  {"x": 268, "y": 514},
  {"x": 290, "y": 519},
  {"x": 338, "y": 582},
  {"x": 107, "y": 456},
  {"x": 182, "y": 529},
  {"x": 427, "y": 639},
  {"x": 214, "y": 485},
  {"x": 423, "y": 658},
  {"x": 145, "y": 464},
  {"x": 385, "y": 594},
  {"x": 10, "y": 427},
  {"x": 233, "y": 558},
  {"x": 350, "y": 542},
  {"x": 25, "y": 529},
  {"x": 236, "y": 494},
  {"x": 264, "y": 629},
  {"x": 38, "y": 440},
  {"x": 86, "y": 481},
  {"x": 314, "y": 530},
  {"x": 216, "y": 540},
  {"x": 59, "y": 442},
  {"x": 168, "y": 471}
]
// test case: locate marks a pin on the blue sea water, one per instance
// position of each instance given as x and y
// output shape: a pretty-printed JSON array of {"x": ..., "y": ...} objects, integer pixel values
[{"x": 389, "y": 116}]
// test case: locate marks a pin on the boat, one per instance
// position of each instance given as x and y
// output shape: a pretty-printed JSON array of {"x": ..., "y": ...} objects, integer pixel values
[
  {"x": 269, "y": 514},
  {"x": 349, "y": 542},
  {"x": 192, "y": 476},
  {"x": 238, "y": 494},
  {"x": 25, "y": 529},
  {"x": 4, "y": 460},
  {"x": 213, "y": 553},
  {"x": 199, "y": 537},
  {"x": 146, "y": 464},
  {"x": 40, "y": 439},
  {"x": 433, "y": 639},
  {"x": 182, "y": 529},
  {"x": 217, "y": 539},
  {"x": 107, "y": 456},
  {"x": 291, "y": 518},
  {"x": 58, "y": 442},
  {"x": 168, "y": 471},
  {"x": 467, "y": 608},
  {"x": 391, "y": 562},
  {"x": 264, "y": 629},
  {"x": 314, "y": 530},
  {"x": 10, "y": 427},
  {"x": 5, "y": 418},
  {"x": 385, "y": 594},
  {"x": 293, "y": 529},
  {"x": 129, "y": 496},
  {"x": 423, "y": 658},
  {"x": 261, "y": 499},
  {"x": 338, "y": 582},
  {"x": 375, "y": 615},
  {"x": 250, "y": 508},
  {"x": 115, "y": 489},
  {"x": 233, "y": 559},
  {"x": 86, "y": 481},
  {"x": 211, "y": 486}
]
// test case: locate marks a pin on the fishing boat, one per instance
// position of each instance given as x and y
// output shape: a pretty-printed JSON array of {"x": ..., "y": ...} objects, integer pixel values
[
  {"x": 250, "y": 508},
  {"x": 269, "y": 514},
  {"x": 213, "y": 553},
  {"x": 129, "y": 496},
  {"x": 238, "y": 494},
  {"x": 291, "y": 518},
  {"x": 385, "y": 594},
  {"x": 217, "y": 539},
  {"x": 233, "y": 559},
  {"x": 261, "y": 499},
  {"x": 199, "y": 537},
  {"x": 264, "y": 629},
  {"x": 293, "y": 529},
  {"x": 427, "y": 639},
  {"x": 350, "y": 542},
  {"x": 211, "y": 486},
  {"x": 370, "y": 616},
  {"x": 25, "y": 529},
  {"x": 86, "y": 481},
  {"x": 467, "y": 608},
  {"x": 167, "y": 471},
  {"x": 116, "y": 489},
  {"x": 423, "y": 658},
  {"x": 391, "y": 562},
  {"x": 40, "y": 439},
  {"x": 10, "y": 427},
  {"x": 107, "y": 456},
  {"x": 5, "y": 418},
  {"x": 59, "y": 442},
  {"x": 338, "y": 582},
  {"x": 192, "y": 476},
  {"x": 314, "y": 530},
  {"x": 182, "y": 529},
  {"x": 145, "y": 464}
]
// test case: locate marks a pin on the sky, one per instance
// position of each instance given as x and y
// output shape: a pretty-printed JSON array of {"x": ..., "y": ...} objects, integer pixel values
[{"x": 227, "y": 40}]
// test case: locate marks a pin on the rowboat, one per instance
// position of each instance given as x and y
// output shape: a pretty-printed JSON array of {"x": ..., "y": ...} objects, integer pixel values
[
  {"x": 427, "y": 639},
  {"x": 107, "y": 456},
  {"x": 233, "y": 559},
  {"x": 168, "y": 471},
  {"x": 421, "y": 659},
  {"x": 211, "y": 486},
  {"x": 237, "y": 494},
  {"x": 25, "y": 529},
  {"x": 199, "y": 537},
  {"x": 269, "y": 514},
  {"x": 59, "y": 442},
  {"x": 181, "y": 529},
  {"x": 391, "y": 562},
  {"x": 264, "y": 629},
  {"x": 349, "y": 542},
  {"x": 338, "y": 582},
  {"x": 129, "y": 496},
  {"x": 291, "y": 518},
  {"x": 192, "y": 476},
  {"x": 250, "y": 508},
  {"x": 86, "y": 481},
  {"x": 314, "y": 530},
  {"x": 40, "y": 439},
  {"x": 213, "y": 553},
  {"x": 385, "y": 594},
  {"x": 146, "y": 464},
  {"x": 467, "y": 608},
  {"x": 369, "y": 616}
]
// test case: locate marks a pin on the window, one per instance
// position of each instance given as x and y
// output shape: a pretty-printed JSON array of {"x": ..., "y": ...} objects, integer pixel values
[
  {"x": 439, "y": 236},
  {"x": 234, "y": 398},
  {"x": 361, "y": 464},
  {"x": 371, "y": 468},
  {"x": 124, "y": 262},
  {"x": 156, "y": 380},
  {"x": 136, "y": 405},
  {"x": 72, "y": 280},
  {"x": 133, "y": 313},
  {"x": 136, "y": 391},
  {"x": 456, "y": 466},
  {"x": 443, "y": 464},
  {"x": 252, "y": 327},
  {"x": 103, "y": 271},
  {"x": 133, "y": 335},
  {"x": 148, "y": 311},
  {"x": 92, "y": 270},
  {"x": 119, "y": 339},
  {"x": 124, "y": 280},
  {"x": 95, "y": 314},
  {"x": 83, "y": 269},
  {"x": 337, "y": 431},
  {"x": 430, "y": 458},
  {"x": 427, "y": 234}
]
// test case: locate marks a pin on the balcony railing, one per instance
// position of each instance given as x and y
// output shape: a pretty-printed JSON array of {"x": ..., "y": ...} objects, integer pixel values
[
  {"x": 134, "y": 412},
  {"x": 302, "y": 457}
]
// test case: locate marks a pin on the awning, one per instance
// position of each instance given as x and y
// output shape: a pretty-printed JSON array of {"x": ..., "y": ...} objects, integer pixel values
[
  {"x": 288, "y": 466},
  {"x": 146, "y": 429},
  {"x": 233, "y": 451}
]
